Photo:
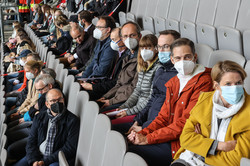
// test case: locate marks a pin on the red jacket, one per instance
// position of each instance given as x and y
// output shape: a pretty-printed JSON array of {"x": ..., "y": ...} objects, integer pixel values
[
  {"x": 24, "y": 82},
  {"x": 168, "y": 125}
]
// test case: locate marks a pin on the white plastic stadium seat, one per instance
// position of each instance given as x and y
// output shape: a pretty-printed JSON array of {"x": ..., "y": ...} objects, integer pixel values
[
  {"x": 72, "y": 97},
  {"x": 204, "y": 52},
  {"x": 88, "y": 119},
  {"x": 122, "y": 18},
  {"x": 247, "y": 80},
  {"x": 62, "y": 159},
  {"x": 67, "y": 83},
  {"x": 188, "y": 18},
  {"x": 174, "y": 15},
  {"x": 115, "y": 149},
  {"x": 148, "y": 18},
  {"x": 205, "y": 19},
  {"x": 246, "y": 44},
  {"x": 133, "y": 159},
  {"x": 244, "y": 162},
  {"x": 160, "y": 15},
  {"x": 222, "y": 55},
  {"x": 101, "y": 129}
]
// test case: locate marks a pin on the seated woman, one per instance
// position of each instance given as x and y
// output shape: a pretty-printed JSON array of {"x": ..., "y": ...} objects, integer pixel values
[
  {"x": 217, "y": 131},
  {"x": 146, "y": 68},
  {"x": 63, "y": 42},
  {"x": 38, "y": 16}
]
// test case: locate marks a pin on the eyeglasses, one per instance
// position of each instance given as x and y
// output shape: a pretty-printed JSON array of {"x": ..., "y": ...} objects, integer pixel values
[
  {"x": 130, "y": 36},
  {"x": 99, "y": 27},
  {"x": 188, "y": 57},
  {"x": 56, "y": 100},
  {"x": 165, "y": 46},
  {"x": 42, "y": 88}
]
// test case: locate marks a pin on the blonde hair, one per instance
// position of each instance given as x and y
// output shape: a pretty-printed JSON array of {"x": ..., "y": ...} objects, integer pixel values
[
  {"x": 221, "y": 68},
  {"x": 146, "y": 41},
  {"x": 34, "y": 65}
]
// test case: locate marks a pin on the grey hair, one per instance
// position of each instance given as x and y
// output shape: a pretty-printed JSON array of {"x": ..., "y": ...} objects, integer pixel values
[
  {"x": 50, "y": 72},
  {"x": 46, "y": 79}
]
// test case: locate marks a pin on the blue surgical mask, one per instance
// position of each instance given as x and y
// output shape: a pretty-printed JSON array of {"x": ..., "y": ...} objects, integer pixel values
[
  {"x": 232, "y": 94},
  {"x": 80, "y": 24},
  {"x": 164, "y": 56},
  {"x": 39, "y": 95}
]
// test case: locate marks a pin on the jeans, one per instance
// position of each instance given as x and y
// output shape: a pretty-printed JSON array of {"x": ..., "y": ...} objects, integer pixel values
[
  {"x": 24, "y": 162},
  {"x": 155, "y": 154},
  {"x": 9, "y": 102}
]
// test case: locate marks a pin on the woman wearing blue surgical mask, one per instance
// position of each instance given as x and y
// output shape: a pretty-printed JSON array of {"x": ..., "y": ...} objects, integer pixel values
[
  {"x": 32, "y": 69},
  {"x": 217, "y": 131},
  {"x": 147, "y": 65}
]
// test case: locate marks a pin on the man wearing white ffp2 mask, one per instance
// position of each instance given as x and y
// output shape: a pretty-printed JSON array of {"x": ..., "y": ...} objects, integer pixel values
[
  {"x": 101, "y": 31},
  {"x": 104, "y": 56}
]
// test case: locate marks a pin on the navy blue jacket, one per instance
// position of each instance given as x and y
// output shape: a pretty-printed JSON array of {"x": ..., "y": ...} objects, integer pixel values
[
  {"x": 66, "y": 138},
  {"x": 153, "y": 107},
  {"x": 103, "y": 62}
]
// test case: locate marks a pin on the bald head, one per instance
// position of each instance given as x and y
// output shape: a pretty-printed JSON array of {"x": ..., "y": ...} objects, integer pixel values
[
  {"x": 53, "y": 96},
  {"x": 77, "y": 33}
]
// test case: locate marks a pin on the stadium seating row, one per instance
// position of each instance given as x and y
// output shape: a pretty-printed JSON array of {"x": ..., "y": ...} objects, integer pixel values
[
  {"x": 221, "y": 24},
  {"x": 105, "y": 146}
]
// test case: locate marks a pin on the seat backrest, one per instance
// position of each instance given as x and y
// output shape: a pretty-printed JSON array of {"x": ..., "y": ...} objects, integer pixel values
[
  {"x": 175, "y": 9},
  {"x": 63, "y": 75},
  {"x": 189, "y": 10},
  {"x": 244, "y": 161},
  {"x": 133, "y": 159},
  {"x": 59, "y": 70},
  {"x": 115, "y": 145},
  {"x": 3, "y": 156},
  {"x": 247, "y": 80},
  {"x": 226, "y": 14},
  {"x": 162, "y": 8},
  {"x": 73, "y": 92},
  {"x": 62, "y": 159},
  {"x": 246, "y": 44},
  {"x": 134, "y": 6},
  {"x": 206, "y": 11},
  {"x": 67, "y": 83},
  {"x": 101, "y": 129},
  {"x": 203, "y": 51},
  {"x": 81, "y": 100},
  {"x": 88, "y": 119},
  {"x": 151, "y": 8},
  {"x": 243, "y": 22},
  {"x": 222, "y": 55}
]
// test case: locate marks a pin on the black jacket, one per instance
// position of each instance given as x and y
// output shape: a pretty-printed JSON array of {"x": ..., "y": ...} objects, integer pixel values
[
  {"x": 104, "y": 86},
  {"x": 66, "y": 138},
  {"x": 84, "y": 50}
]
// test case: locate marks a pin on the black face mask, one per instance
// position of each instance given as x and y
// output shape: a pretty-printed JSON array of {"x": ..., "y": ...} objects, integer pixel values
[{"x": 57, "y": 107}]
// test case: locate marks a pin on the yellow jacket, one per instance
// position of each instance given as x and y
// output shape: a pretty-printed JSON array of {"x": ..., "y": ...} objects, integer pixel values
[{"x": 238, "y": 129}]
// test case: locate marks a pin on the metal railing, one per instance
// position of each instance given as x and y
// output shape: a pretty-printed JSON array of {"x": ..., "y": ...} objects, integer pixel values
[{"x": 3, "y": 6}]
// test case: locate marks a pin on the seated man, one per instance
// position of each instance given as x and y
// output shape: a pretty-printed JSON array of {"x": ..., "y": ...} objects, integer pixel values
[
  {"x": 104, "y": 57},
  {"x": 162, "y": 75},
  {"x": 85, "y": 21},
  {"x": 159, "y": 142},
  {"x": 97, "y": 90},
  {"x": 82, "y": 52},
  {"x": 52, "y": 131},
  {"x": 18, "y": 130},
  {"x": 127, "y": 79}
]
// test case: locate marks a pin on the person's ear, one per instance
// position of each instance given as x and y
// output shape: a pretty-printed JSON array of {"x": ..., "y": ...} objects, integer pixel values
[
  {"x": 47, "y": 104},
  {"x": 216, "y": 85},
  {"x": 195, "y": 57},
  {"x": 50, "y": 86},
  {"x": 172, "y": 59}
]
